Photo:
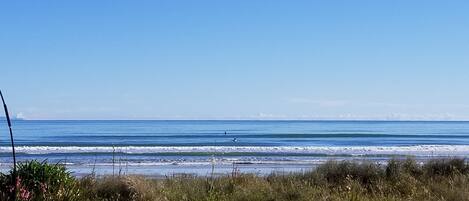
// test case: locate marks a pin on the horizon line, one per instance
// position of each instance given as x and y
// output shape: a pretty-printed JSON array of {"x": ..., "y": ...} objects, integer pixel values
[{"x": 350, "y": 120}]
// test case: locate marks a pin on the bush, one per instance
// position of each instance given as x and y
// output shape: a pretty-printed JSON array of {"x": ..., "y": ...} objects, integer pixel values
[
  {"x": 119, "y": 188},
  {"x": 40, "y": 181},
  {"x": 398, "y": 168},
  {"x": 445, "y": 167},
  {"x": 340, "y": 172}
]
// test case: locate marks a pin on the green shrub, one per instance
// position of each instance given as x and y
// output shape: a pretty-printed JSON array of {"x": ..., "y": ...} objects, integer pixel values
[
  {"x": 398, "y": 168},
  {"x": 119, "y": 188},
  {"x": 445, "y": 167},
  {"x": 339, "y": 172},
  {"x": 5, "y": 186},
  {"x": 41, "y": 181}
]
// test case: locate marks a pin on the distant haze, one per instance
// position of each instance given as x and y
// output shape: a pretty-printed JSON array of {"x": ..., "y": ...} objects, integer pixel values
[{"x": 385, "y": 60}]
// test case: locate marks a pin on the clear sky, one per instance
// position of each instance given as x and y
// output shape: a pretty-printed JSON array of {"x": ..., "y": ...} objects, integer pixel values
[{"x": 246, "y": 59}]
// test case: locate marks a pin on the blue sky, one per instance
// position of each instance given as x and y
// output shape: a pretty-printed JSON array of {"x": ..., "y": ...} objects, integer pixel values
[{"x": 251, "y": 59}]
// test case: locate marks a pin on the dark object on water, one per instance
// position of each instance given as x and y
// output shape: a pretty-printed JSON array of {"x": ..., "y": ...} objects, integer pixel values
[
  {"x": 235, "y": 140},
  {"x": 12, "y": 145},
  {"x": 243, "y": 163},
  {"x": 225, "y": 132}
]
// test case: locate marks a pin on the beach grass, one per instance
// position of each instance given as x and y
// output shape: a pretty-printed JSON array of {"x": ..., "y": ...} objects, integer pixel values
[{"x": 439, "y": 179}]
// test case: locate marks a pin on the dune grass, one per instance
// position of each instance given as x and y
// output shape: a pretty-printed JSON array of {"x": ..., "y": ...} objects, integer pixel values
[{"x": 442, "y": 179}]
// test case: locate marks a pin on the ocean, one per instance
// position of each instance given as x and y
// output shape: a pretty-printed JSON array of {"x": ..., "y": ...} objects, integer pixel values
[{"x": 162, "y": 148}]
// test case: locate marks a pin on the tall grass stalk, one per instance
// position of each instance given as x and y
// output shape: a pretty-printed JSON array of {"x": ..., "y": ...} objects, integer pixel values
[{"x": 7, "y": 116}]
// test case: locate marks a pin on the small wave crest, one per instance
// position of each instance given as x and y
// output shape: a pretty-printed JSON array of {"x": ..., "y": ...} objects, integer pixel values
[{"x": 418, "y": 150}]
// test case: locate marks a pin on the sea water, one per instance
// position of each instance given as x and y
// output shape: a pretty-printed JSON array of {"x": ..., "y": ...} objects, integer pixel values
[{"x": 203, "y": 147}]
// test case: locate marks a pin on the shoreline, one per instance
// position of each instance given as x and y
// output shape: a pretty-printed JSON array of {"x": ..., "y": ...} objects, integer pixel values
[
  {"x": 219, "y": 167},
  {"x": 161, "y": 161}
]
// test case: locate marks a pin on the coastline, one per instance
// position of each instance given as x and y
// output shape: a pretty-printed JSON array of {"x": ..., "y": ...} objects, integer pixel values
[{"x": 217, "y": 166}]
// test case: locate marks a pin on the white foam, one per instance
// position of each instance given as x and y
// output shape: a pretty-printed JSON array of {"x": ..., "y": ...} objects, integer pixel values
[{"x": 418, "y": 150}]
